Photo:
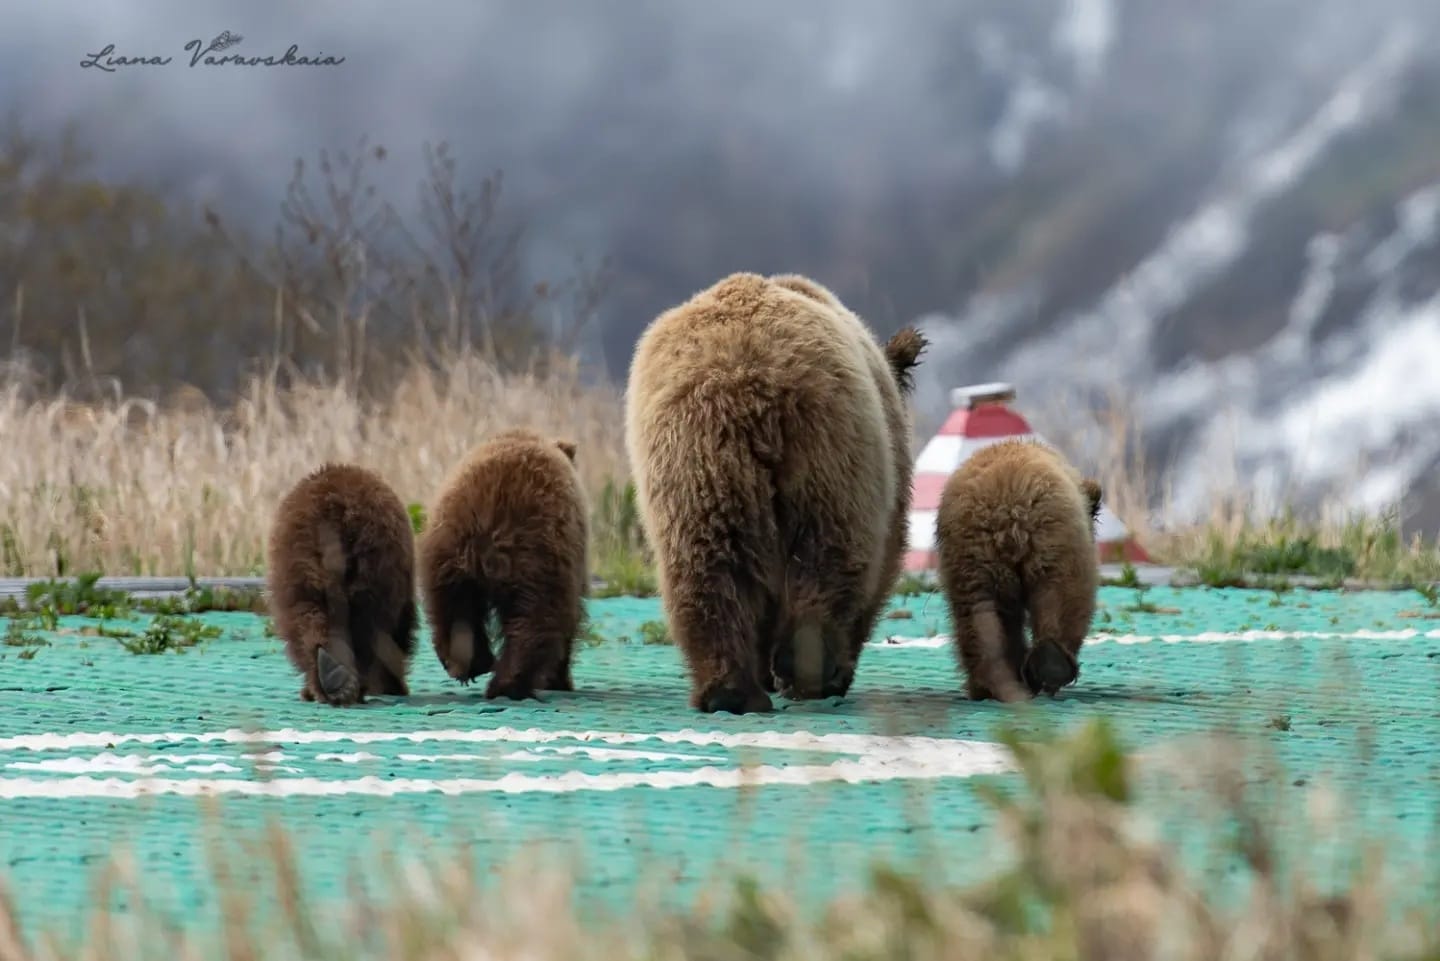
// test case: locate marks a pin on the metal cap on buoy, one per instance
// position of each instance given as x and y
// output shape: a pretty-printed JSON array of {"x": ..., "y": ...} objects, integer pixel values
[{"x": 977, "y": 394}]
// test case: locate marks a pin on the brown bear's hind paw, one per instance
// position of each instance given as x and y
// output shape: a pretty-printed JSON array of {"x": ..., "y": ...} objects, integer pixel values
[
  {"x": 338, "y": 683},
  {"x": 1004, "y": 690},
  {"x": 516, "y": 689},
  {"x": 1049, "y": 667},
  {"x": 837, "y": 683},
  {"x": 559, "y": 681},
  {"x": 785, "y": 687},
  {"x": 387, "y": 685},
  {"x": 733, "y": 698},
  {"x": 469, "y": 657}
]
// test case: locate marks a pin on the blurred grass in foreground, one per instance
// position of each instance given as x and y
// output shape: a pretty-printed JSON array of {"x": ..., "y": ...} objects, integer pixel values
[{"x": 1085, "y": 883}]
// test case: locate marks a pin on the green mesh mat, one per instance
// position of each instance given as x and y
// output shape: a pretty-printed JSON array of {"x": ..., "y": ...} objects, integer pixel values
[{"x": 622, "y": 776}]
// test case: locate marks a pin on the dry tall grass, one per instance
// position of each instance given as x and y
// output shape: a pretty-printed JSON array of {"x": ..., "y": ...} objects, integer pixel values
[
  {"x": 1235, "y": 536},
  {"x": 129, "y": 487}
]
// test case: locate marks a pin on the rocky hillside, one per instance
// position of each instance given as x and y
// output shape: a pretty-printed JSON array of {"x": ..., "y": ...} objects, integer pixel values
[
  {"x": 1246, "y": 242},
  {"x": 1226, "y": 210}
]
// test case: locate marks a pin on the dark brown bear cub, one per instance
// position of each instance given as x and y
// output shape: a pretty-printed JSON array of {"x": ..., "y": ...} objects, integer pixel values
[
  {"x": 508, "y": 538},
  {"x": 1015, "y": 536},
  {"x": 341, "y": 579}
]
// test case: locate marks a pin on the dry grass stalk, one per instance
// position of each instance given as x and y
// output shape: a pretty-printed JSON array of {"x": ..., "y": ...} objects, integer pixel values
[
  {"x": 130, "y": 487},
  {"x": 1104, "y": 438}
]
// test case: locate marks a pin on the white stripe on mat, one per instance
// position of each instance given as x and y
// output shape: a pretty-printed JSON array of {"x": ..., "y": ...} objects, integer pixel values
[
  {"x": 775, "y": 740},
  {"x": 855, "y": 772},
  {"x": 871, "y": 758},
  {"x": 1205, "y": 637}
]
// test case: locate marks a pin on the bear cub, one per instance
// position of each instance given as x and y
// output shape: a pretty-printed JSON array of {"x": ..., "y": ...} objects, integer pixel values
[
  {"x": 1015, "y": 534},
  {"x": 341, "y": 580},
  {"x": 508, "y": 539}
]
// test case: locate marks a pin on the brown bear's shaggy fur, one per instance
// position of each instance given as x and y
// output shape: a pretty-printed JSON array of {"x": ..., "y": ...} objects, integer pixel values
[
  {"x": 508, "y": 537},
  {"x": 902, "y": 352},
  {"x": 341, "y": 578},
  {"x": 769, "y": 436},
  {"x": 1015, "y": 535}
]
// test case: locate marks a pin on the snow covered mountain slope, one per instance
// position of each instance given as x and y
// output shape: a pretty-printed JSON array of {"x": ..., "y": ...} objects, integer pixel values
[{"x": 1284, "y": 320}]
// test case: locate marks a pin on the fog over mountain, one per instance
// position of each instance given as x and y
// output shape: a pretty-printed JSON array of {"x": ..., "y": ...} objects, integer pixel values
[{"x": 1228, "y": 210}]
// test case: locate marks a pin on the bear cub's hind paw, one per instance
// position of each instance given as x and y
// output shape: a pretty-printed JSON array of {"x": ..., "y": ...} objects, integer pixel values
[
  {"x": 339, "y": 684},
  {"x": 1049, "y": 667},
  {"x": 836, "y": 684},
  {"x": 515, "y": 689},
  {"x": 469, "y": 657}
]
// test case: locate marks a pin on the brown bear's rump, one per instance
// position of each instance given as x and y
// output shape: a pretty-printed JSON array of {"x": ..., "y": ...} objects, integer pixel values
[
  {"x": 765, "y": 468},
  {"x": 508, "y": 537},
  {"x": 340, "y": 565},
  {"x": 1015, "y": 538}
]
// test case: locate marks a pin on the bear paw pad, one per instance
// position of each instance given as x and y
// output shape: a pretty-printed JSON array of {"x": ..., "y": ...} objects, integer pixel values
[
  {"x": 339, "y": 684},
  {"x": 1049, "y": 667},
  {"x": 515, "y": 690},
  {"x": 734, "y": 699}
]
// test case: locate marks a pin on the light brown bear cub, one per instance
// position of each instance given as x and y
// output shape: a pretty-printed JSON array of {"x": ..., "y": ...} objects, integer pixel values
[
  {"x": 508, "y": 538},
  {"x": 341, "y": 579},
  {"x": 1015, "y": 537},
  {"x": 768, "y": 434}
]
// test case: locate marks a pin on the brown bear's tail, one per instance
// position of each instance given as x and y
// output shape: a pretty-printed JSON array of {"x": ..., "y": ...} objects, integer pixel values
[
  {"x": 332, "y": 561},
  {"x": 1093, "y": 495},
  {"x": 903, "y": 352},
  {"x": 489, "y": 560},
  {"x": 1012, "y": 536}
]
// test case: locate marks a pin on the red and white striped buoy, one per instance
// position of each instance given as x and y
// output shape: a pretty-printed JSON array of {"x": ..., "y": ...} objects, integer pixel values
[{"x": 980, "y": 418}]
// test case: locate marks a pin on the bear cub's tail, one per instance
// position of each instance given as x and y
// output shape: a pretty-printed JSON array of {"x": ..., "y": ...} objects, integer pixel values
[
  {"x": 488, "y": 559},
  {"x": 903, "y": 351}
]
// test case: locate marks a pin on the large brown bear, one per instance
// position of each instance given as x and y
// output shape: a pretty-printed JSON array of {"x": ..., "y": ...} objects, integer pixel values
[
  {"x": 769, "y": 436},
  {"x": 341, "y": 579},
  {"x": 1015, "y": 534},
  {"x": 508, "y": 537}
]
